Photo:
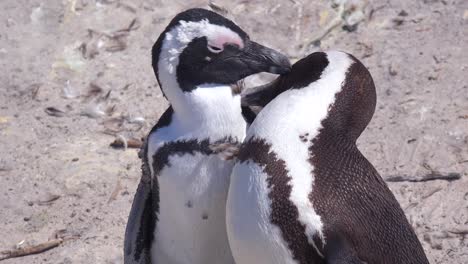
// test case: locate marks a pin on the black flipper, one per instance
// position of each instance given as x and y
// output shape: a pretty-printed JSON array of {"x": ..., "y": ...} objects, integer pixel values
[
  {"x": 139, "y": 233},
  {"x": 141, "y": 221}
]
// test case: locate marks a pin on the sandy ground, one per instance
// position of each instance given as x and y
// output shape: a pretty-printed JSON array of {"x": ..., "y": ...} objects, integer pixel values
[{"x": 76, "y": 74}]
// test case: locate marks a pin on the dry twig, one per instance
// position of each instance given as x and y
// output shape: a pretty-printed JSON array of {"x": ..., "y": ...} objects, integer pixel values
[
  {"x": 49, "y": 200},
  {"x": 30, "y": 250},
  {"x": 462, "y": 232},
  {"x": 218, "y": 9},
  {"x": 52, "y": 111},
  {"x": 121, "y": 142},
  {"x": 424, "y": 178}
]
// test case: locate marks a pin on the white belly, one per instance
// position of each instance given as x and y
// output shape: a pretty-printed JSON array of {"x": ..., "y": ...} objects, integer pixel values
[
  {"x": 191, "y": 225},
  {"x": 252, "y": 237}
]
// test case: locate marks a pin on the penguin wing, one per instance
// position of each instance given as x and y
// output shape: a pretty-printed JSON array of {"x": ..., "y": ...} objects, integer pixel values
[
  {"x": 142, "y": 219},
  {"x": 140, "y": 225},
  {"x": 137, "y": 244},
  {"x": 371, "y": 222}
]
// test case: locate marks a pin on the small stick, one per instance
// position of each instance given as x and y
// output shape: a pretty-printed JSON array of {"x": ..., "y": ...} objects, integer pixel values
[
  {"x": 121, "y": 142},
  {"x": 428, "y": 177},
  {"x": 462, "y": 232},
  {"x": 218, "y": 9},
  {"x": 49, "y": 200},
  {"x": 35, "y": 249}
]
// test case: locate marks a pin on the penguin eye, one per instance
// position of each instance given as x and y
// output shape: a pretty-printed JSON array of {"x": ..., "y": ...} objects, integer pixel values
[{"x": 214, "y": 49}]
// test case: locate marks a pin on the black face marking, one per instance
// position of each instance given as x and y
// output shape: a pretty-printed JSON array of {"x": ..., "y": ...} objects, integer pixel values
[
  {"x": 226, "y": 67},
  {"x": 193, "y": 15},
  {"x": 284, "y": 213},
  {"x": 194, "y": 69},
  {"x": 201, "y": 64}
]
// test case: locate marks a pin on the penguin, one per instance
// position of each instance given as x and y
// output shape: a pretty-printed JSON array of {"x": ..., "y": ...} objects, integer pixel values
[
  {"x": 178, "y": 212},
  {"x": 301, "y": 192}
]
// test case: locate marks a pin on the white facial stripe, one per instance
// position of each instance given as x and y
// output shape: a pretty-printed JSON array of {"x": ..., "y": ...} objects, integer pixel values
[
  {"x": 215, "y": 34},
  {"x": 175, "y": 41},
  {"x": 309, "y": 106}
]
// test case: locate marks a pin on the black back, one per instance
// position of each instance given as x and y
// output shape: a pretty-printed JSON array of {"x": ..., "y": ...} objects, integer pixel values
[
  {"x": 363, "y": 222},
  {"x": 353, "y": 200}
]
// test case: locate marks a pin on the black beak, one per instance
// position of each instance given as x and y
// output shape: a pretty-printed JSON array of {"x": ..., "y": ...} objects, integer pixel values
[
  {"x": 261, "y": 95},
  {"x": 262, "y": 59}
]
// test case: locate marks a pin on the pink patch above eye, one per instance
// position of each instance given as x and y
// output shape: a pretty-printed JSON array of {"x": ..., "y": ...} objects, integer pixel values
[{"x": 224, "y": 39}]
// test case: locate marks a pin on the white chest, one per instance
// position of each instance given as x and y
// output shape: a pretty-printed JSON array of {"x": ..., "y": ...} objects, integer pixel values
[
  {"x": 252, "y": 236},
  {"x": 191, "y": 220},
  {"x": 193, "y": 186}
]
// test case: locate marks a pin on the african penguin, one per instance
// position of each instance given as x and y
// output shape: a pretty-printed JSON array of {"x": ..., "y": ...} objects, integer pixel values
[
  {"x": 178, "y": 213},
  {"x": 301, "y": 192}
]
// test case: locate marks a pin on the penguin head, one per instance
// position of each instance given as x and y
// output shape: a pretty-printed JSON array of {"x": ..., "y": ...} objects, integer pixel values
[
  {"x": 354, "y": 103},
  {"x": 201, "y": 47}
]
